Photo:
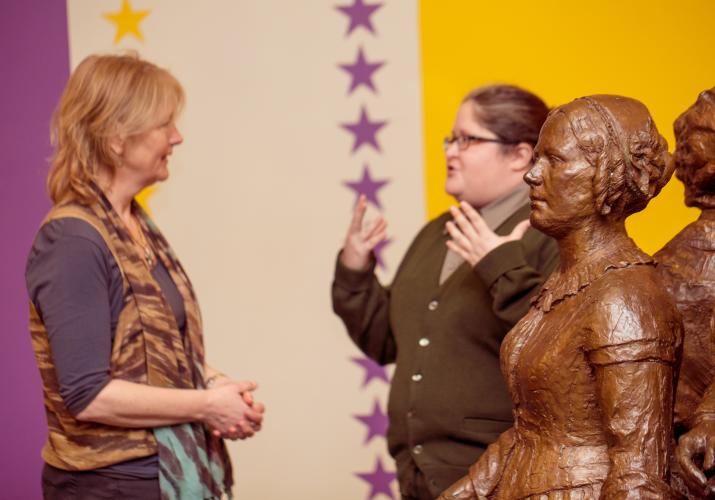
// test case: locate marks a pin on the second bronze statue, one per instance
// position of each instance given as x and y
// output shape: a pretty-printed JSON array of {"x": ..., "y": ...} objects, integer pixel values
[{"x": 688, "y": 269}]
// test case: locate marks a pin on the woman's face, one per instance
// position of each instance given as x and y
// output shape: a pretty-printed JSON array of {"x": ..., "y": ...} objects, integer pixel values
[
  {"x": 145, "y": 156},
  {"x": 561, "y": 180},
  {"x": 476, "y": 174}
]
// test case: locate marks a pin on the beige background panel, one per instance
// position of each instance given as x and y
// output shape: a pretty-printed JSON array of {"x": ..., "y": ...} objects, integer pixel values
[{"x": 256, "y": 209}]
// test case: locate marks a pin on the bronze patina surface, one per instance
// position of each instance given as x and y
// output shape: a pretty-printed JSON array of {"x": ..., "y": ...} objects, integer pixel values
[{"x": 591, "y": 367}]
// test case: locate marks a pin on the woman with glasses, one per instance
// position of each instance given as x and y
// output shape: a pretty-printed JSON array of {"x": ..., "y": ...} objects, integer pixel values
[{"x": 465, "y": 281}]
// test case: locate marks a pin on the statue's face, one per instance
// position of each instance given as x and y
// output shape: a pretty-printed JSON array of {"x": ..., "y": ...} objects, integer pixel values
[{"x": 561, "y": 180}]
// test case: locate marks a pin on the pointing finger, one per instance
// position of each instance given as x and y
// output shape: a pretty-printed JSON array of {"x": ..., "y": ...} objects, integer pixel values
[
  {"x": 518, "y": 231},
  {"x": 358, "y": 214},
  {"x": 464, "y": 225},
  {"x": 476, "y": 220}
]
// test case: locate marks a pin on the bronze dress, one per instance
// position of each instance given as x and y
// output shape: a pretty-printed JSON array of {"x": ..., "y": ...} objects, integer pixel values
[{"x": 590, "y": 369}]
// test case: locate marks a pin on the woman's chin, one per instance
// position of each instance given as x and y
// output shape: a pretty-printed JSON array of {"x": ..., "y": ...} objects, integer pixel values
[{"x": 454, "y": 193}]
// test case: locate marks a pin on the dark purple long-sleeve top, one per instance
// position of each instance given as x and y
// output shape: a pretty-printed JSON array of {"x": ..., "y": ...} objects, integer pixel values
[{"x": 75, "y": 283}]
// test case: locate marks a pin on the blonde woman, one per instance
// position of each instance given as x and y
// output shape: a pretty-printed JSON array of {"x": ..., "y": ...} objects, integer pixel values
[{"x": 133, "y": 410}]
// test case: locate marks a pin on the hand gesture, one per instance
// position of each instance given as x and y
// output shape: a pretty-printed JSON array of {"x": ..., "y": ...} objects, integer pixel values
[
  {"x": 360, "y": 241},
  {"x": 471, "y": 237},
  {"x": 698, "y": 442}
]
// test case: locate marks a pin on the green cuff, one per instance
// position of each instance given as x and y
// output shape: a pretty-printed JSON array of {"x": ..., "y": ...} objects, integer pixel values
[{"x": 500, "y": 261}]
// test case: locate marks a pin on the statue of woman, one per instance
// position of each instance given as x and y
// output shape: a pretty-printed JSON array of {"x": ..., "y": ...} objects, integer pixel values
[
  {"x": 687, "y": 266},
  {"x": 591, "y": 367}
]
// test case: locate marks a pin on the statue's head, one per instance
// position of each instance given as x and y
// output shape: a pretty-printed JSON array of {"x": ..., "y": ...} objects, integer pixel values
[{"x": 694, "y": 155}]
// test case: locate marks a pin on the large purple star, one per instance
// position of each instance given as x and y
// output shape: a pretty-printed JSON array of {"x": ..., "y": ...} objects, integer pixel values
[
  {"x": 361, "y": 72},
  {"x": 372, "y": 370},
  {"x": 378, "y": 252},
  {"x": 359, "y": 14},
  {"x": 376, "y": 422},
  {"x": 379, "y": 480},
  {"x": 364, "y": 130},
  {"x": 367, "y": 186}
]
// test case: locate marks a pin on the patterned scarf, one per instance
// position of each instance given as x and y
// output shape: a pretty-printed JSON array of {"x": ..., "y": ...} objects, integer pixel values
[{"x": 148, "y": 347}]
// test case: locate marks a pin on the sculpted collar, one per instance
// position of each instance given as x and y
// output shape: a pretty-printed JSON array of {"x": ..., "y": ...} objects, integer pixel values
[{"x": 563, "y": 284}]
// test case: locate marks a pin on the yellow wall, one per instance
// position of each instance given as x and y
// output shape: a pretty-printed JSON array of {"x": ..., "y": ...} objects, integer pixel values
[{"x": 657, "y": 51}]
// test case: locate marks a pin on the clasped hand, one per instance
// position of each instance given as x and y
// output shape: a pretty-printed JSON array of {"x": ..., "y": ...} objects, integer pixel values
[
  {"x": 231, "y": 411},
  {"x": 471, "y": 237},
  {"x": 698, "y": 442}
]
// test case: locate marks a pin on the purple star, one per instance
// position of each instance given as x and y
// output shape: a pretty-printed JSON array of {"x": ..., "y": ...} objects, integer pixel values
[
  {"x": 367, "y": 186},
  {"x": 361, "y": 72},
  {"x": 378, "y": 252},
  {"x": 376, "y": 422},
  {"x": 379, "y": 480},
  {"x": 359, "y": 14},
  {"x": 364, "y": 130},
  {"x": 372, "y": 370}
]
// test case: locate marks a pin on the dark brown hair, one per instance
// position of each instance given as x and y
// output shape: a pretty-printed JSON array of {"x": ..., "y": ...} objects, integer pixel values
[{"x": 515, "y": 115}]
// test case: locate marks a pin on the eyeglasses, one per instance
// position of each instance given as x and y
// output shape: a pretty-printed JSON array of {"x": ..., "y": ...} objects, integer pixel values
[{"x": 464, "y": 141}]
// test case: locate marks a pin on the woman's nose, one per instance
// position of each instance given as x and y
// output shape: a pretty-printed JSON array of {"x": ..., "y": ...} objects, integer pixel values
[
  {"x": 451, "y": 149},
  {"x": 176, "y": 137}
]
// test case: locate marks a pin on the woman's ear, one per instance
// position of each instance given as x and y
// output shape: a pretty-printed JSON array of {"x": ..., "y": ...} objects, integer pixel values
[
  {"x": 116, "y": 144},
  {"x": 521, "y": 156}
]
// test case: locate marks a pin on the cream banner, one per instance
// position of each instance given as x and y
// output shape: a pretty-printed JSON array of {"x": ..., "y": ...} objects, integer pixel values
[{"x": 293, "y": 108}]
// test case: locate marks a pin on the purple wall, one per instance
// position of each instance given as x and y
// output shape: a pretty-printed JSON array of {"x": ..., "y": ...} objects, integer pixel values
[{"x": 34, "y": 65}]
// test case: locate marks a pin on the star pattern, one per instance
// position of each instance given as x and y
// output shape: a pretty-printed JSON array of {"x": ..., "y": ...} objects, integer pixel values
[
  {"x": 372, "y": 370},
  {"x": 361, "y": 72},
  {"x": 127, "y": 21},
  {"x": 367, "y": 186},
  {"x": 359, "y": 13},
  {"x": 376, "y": 422},
  {"x": 378, "y": 252},
  {"x": 364, "y": 130},
  {"x": 379, "y": 480}
]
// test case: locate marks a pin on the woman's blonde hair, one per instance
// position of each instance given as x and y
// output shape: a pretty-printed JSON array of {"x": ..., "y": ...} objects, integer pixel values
[{"x": 106, "y": 96}]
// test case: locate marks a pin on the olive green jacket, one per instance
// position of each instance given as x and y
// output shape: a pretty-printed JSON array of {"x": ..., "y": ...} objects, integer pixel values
[{"x": 448, "y": 400}]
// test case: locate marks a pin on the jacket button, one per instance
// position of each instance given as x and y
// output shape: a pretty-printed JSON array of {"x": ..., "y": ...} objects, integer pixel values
[
  {"x": 433, "y": 305},
  {"x": 424, "y": 342},
  {"x": 416, "y": 377},
  {"x": 417, "y": 449},
  {"x": 410, "y": 414}
]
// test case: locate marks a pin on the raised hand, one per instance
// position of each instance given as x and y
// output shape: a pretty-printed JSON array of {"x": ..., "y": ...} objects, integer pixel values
[
  {"x": 360, "y": 240},
  {"x": 471, "y": 237}
]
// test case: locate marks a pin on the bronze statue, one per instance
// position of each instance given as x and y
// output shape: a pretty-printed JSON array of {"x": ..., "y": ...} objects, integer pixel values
[
  {"x": 591, "y": 367},
  {"x": 687, "y": 266}
]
